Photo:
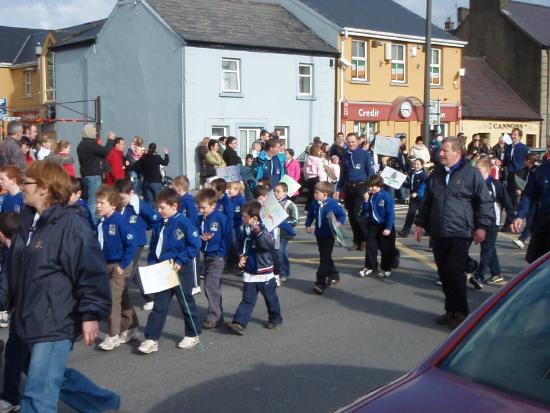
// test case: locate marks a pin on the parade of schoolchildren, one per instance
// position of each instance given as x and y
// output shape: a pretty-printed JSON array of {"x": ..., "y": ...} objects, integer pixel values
[{"x": 275, "y": 206}]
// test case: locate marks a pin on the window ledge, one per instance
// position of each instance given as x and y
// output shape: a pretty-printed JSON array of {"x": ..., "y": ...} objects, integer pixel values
[
  {"x": 27, "y": 97},
  {"x": 360, "y": 82},
  {"x": 399, "y": 84},
  {"x": 436, "y": 87},
  {"x": 306, "y": 98},
  {"x": 231, "y": 95}
]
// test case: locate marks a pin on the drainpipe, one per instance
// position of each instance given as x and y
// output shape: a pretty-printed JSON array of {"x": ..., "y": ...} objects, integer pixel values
[{"x": 341, "y": 100}]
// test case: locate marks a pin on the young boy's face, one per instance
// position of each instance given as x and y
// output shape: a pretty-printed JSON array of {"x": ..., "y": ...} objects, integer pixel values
[
  {"x": 261, "y": 199},
  {"x": 248, "y": 220},
  {"x": 205, "y": 208},
  {"x": 374, "y": 189},
  {"x": 417, "y": 165},
  {"x": 179, "y": 190},
  {"x": 220, "y": 194},
  {"x": 166, "y": 210},
  {"x": 75, "y": 196},
  {"x": 320, "y": 196},
  {"x": 280, "y": 193},
  {"x": 5, "y": 181},
  {"x": 104, "y": 208},
  {"x": 233, "y": 191},
  {"x": 126, "y": 198},
  {"x": 249, "y": 161}
]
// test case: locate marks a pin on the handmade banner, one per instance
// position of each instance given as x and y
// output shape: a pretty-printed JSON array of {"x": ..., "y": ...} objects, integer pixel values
[
  {"x": 387, "y": 146},
  {"x": 272, "y": 213},
  {"x": 393, "y": 178},
  {"x": 158, "y": 277},
  {"x": 293, "y": 186},
  {"x": 229, "y": 173}
]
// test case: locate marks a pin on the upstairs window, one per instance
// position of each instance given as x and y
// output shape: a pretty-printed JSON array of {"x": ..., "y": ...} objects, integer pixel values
[
  {"x": 435, "y": 68},
  {"x": 398, "y": 64},
  {"x": 231, "y": 75},
  {"x": 50, "y": 78},
  {"x": 305, "y": 79},
  {"x": 358, "y": 60},
  {"x": 27, "y": 84}
]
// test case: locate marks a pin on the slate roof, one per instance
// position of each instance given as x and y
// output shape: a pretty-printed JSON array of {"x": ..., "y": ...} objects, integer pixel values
[
  {"x": 82, "y": 33},
  {"x": 533, "y": 19},
  {"x": 12, "y": 39},
  {"x": 485, "y": 95},
  {"x": 239, "y": 23},
  {"x": 377, "y": 15}
]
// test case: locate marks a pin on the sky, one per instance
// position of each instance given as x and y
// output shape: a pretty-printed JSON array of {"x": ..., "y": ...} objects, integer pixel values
[{"x": 55, "y": 14}]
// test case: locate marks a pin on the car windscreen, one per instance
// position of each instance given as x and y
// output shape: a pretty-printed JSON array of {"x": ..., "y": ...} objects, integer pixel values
[{"x": 509, "y": 349}]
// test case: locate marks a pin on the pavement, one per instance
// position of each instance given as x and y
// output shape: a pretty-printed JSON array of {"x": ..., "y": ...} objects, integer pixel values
[{"x": 331, "y": 349}]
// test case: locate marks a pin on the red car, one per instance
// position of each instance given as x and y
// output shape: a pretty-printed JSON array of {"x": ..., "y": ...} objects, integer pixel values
[{"x": 497, "y": 361}]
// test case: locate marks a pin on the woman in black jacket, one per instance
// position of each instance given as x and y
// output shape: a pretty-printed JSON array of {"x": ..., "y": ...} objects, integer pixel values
[
  {"x": 149, "y": 167},
  {"x": 57, "y": 287},
  {"x": 230, "y": 155}
]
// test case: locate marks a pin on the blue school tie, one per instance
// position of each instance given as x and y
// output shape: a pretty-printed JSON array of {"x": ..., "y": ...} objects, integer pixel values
[
  {"x": 100, "y": 233},
  {"x": 158, "y": 251}
]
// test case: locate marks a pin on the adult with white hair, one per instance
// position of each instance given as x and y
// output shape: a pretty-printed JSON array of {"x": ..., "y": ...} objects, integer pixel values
[{"x": 10, "y": 152}]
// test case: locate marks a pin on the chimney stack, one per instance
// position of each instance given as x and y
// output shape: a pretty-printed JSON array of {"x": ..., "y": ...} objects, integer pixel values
[
  {"x": 449, "y": 25},
  {"x": 461, "y": 14}
]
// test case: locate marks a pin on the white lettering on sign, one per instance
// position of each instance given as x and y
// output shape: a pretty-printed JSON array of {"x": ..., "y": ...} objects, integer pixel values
[{"x": 372, "y": 113}]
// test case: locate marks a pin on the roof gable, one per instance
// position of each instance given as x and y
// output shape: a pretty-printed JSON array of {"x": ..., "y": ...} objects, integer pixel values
[
  {"x": 532, "y": 19},
  {"x": 485, "y": 95},
  {"x": 377, "y": 15},
  {"x": 239, "y": 23}
]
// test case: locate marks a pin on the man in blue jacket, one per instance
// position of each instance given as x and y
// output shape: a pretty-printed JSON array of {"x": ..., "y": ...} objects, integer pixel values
[
  {"x": 514, "y": 157},
  {"x": 354, "y": 173},
  {"x": 271, "y": 162}
]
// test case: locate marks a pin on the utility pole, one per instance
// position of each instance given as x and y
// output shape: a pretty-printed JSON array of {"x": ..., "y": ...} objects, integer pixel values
[{"x": 427, "y": 71}]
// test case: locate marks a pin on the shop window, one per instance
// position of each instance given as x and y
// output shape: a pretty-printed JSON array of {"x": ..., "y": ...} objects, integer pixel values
[
  {"x": 435, "y": 68},
  {"x": 531, "y": 140},
  {"x": 366, "y": 128},
  {"x": 358, "y": 60},
  {"x": 398, "y": 63}
]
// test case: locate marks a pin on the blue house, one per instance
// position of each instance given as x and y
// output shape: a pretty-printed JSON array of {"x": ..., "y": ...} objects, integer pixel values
[{"x": 176, "y": 71}]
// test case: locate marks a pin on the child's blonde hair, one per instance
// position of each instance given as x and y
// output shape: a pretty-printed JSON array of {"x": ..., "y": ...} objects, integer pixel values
[
  {"x": 181, "y": 182},
  {"x": 236, "y": 185}
]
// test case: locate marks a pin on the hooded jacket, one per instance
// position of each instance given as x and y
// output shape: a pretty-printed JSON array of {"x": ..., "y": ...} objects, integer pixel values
[
  {"x": 420, "y": 152},
  {"x": 91, "y": 156},
  {"x": 59, "y": 279}
]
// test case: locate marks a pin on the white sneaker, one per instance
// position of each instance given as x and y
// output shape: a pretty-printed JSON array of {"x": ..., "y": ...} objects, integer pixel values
[
  {"x": 148, "y": 306},
  {"x": 365, "y": 272},
  {"x": 148, "y": 346},
  {"x": 189, "y": 342},
  {"x": 384, "y": 274},
  {"x": 519, "y": 243},
  {"x": 277, "y": 280},
  {"x": 128, "y": 335},
  {"x": 196, "y": 290},
  {"x": 110, "y": 343},
  {"x": 4, "y": 322},
  {"x": 7, "y": 407}
]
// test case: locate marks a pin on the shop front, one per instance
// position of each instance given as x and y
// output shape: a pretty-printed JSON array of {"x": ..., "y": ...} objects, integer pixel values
[
  {"x": 493, "y": 129},
  {"x": 402, "y": 116}
]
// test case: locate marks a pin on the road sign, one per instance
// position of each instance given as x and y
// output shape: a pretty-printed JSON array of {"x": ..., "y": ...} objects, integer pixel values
[
  {"x": 3, "y": 107},
  {"x": 435, "y": 112}
]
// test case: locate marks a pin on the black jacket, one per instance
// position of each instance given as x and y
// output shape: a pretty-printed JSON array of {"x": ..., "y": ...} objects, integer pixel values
[
  {"x": 231, "y": 157},
  {"x": 149, "y": 166},
  {"x": 458, "y": 209},
  {"x": 91, "y": 156},
  {"x": 59, "y": 279}
]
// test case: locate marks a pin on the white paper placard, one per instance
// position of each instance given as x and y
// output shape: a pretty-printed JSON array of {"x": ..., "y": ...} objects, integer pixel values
[
  {"x": 507, "y": 139},
  {"x": 293, "y": 186},
  {"x": 387, "y": 146},
  {"x": 272, "y": 213},
  {"x": 393, "y": 178},
  {"x": 229, "y": 173},
  {"x": 158, "y": 277}
]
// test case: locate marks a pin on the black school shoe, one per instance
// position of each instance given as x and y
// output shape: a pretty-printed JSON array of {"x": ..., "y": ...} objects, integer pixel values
[
  {"x": 476, "y": 282},
  {"x": 236, "y": 328},
  {"x": 395, "y": 260},
  {"x": 271, "y": 326},
  {"x": 319, "y": 288}
]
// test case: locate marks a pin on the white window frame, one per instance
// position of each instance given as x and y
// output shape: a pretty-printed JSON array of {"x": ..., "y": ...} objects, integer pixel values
[
  {"x": 285, "y": 135},
  {"x": 370, "y": 128},
  {"x": 27, "y": 83},
  {"x": 399, "y": 62},
  {"x": 310, "y": 77},
  {"x": 436, "y": 65},
  {"x": 356, "y": 59},
  {"x": 245, "y": 145},
  {"x": 225, "y": 131},
  {"x": 49, "y": 91},
  {"x": 237, "y": 72}
]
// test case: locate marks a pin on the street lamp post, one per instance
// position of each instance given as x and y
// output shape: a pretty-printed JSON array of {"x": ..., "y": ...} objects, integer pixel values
[{"x": 427, "y": 77}]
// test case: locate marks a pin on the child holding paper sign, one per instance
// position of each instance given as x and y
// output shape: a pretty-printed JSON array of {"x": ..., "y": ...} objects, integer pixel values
[
  {"x": 258, "y": 276},
  {"x": 177, "y": 239}
]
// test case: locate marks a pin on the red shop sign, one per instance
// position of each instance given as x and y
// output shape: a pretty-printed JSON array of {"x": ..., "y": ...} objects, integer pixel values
[
  {"x": 365, "y": 111},
  {"x": 27, "y": 116}
]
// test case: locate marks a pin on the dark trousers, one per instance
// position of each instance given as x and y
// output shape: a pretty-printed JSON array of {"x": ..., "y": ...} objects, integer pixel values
[
  {"x": 377, "y": 241},
  {"x": 250, "y": 295},
  {"x": 451, "y": 257},
  {"x": 414, "y": 206},
  {"x": 528, "y": 224},
  {"x": 353, "y": 202},
  {"x": 150, "y": 191},
  {"x": 488, "y": 258},
  {"x": 16, "y": 357},
  {"x": 511, "y": 189},
  {"x": 327, "y": 270},
  {"x": 540, "y": 237},
  {"x": 310, "y": 185},
  {"x": 157, "y": 318}
]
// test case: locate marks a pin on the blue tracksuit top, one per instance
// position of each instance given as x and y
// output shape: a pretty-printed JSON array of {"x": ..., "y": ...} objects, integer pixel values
[
  {"x": 12, "y": 203},
  {"x": 514, "y": 160},
  {"x": 318, "y": 212},
  {"x": 273, "y": 168},
  {"x": 380, "y": 208},
  {"x": 180, "y": 240},
  {"x": 141, "y": 216},
  {"x": 537, "y": 191},
  {"x": 225, "y": 206},
  {"x": 237, "y": 201},
  {"x": 119, "y": 242},
  {"x": 418, "y": 183},
  {"x": 83, "y": 204},
  {"x": 188, "y": 207},
  {"x": 215, "y": 223},
  {"x": 356, "y": 167}
]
